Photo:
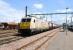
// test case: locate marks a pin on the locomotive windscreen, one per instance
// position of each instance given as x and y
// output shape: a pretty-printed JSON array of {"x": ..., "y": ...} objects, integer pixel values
[{"x": 26, "y": 20}]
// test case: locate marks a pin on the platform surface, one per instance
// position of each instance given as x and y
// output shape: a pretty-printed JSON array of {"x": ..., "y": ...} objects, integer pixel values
[{"x": 63, "y": 41}]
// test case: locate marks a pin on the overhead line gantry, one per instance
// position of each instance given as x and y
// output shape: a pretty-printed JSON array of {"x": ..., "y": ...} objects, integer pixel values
[{"x": 53, "y": 13}]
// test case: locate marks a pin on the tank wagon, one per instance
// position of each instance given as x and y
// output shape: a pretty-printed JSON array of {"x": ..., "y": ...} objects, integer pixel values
[
  {"x": 32, "y": 25},
  {"x": 53, "y": 26},
  {"x": 12, "y": 25}
]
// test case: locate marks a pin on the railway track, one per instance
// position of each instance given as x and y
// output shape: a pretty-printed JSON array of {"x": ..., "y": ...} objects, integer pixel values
[
  {"x": 9, "y": 39},
  {"x": 34, "y": 42},
  {"x": 7, "y": 34},
  {"x": 7, "y": 31}
]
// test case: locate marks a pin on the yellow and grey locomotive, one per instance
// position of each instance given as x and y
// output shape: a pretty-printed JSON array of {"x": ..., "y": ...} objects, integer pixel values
[{"x": 28, "y": 25}]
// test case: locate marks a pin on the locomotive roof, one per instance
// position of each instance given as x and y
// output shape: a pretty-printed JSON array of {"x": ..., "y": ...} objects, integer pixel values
[
  {"x": 34, "y": 18},
  {"x": 28, "y": 17}
]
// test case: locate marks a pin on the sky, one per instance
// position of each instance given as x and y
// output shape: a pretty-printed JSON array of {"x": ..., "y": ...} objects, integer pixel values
[{"x": 14, "y": 10}]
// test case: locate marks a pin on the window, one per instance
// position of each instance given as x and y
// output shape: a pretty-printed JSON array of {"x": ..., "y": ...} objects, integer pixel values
[
  {"x": 34, "y": 21},
  {"x": 26, "y": 20}
]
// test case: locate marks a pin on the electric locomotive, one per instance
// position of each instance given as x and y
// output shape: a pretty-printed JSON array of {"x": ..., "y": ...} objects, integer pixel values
[{"x": 31, "y": 25}]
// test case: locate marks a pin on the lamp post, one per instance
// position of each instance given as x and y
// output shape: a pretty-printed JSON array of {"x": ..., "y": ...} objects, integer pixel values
[{"x": 66, "y": 20}]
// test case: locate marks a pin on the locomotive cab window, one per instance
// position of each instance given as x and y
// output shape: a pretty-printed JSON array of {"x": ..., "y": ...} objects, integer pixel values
[
  {"x": 26, "y": 20},
  {"x": 34, "y": 21}
]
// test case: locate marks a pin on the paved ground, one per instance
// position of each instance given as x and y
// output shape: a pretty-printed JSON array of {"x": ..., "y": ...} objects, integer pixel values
[{"x": 63, "y": 41}]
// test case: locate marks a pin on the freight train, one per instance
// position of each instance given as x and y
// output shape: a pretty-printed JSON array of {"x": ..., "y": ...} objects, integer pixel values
[
  {"x": 32, "y": 25},
  {"x": 7, "y": 26},
  {"x": 70, "y": 26}
]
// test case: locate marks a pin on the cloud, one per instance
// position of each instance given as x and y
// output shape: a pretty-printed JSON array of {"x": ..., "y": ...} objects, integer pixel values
[
  {"x": 9, "y": 14},
  {"x": 38, "y": 5}
]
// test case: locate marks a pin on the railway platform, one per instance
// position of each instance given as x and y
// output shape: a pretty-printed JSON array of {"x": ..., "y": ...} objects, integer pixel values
[{"x": 63, "y": 41}]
